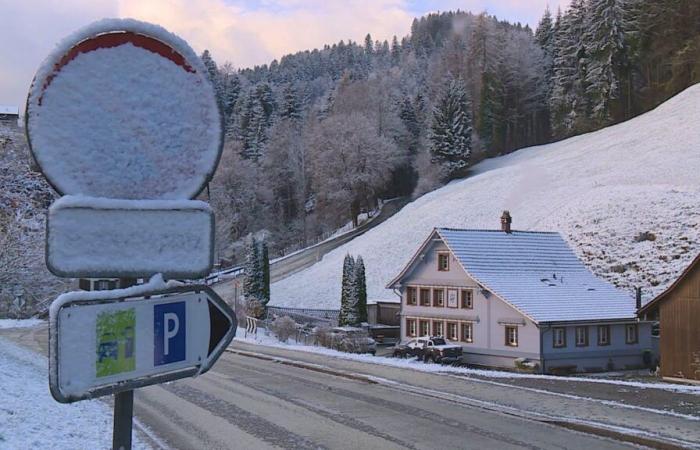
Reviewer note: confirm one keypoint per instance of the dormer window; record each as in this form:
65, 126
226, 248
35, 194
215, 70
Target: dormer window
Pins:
443, 262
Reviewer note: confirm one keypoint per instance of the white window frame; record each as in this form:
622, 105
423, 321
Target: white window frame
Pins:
559, 337
511, 340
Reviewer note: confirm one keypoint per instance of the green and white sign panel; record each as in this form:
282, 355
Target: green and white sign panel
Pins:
133, 337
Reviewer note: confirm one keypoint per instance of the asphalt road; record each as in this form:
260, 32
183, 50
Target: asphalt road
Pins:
264, 397
250, 403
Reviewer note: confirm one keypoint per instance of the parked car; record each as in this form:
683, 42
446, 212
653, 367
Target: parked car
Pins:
427, 348
353, 340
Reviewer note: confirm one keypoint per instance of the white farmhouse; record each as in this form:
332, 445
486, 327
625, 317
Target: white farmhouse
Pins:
507, 295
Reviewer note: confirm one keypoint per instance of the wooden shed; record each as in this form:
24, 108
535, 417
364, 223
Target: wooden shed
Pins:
678, 312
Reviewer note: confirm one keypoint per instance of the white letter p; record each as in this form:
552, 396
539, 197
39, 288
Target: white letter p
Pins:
167, 318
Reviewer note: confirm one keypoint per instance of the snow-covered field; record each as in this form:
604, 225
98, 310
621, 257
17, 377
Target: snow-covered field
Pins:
600, 190
31, 419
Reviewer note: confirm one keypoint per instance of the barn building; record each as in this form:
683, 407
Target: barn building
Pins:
678, 311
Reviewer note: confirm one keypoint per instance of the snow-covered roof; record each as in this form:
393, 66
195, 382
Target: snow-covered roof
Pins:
538, 274
9, 110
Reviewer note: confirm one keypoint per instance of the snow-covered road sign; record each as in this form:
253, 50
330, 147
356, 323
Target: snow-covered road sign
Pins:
104, 342
94, 238
124, 109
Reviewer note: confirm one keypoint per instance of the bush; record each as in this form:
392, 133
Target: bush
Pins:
283, 327
254, 308
324, 336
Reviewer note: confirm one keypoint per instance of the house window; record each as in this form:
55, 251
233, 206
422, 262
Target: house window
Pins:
581, 336
559, 337
452, 301
511, 336
411, 296
631, 333
438, 297
452, 331
424, 327
604, 335
467, 332
438, 328
467, 299
443, 262
425, 297
411, 328
103, 285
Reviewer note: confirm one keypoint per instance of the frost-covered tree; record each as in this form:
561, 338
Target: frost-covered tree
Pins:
291, 107
451, 129
360, 287
348, 294
569, 103
265, 269
605, 43
253, 288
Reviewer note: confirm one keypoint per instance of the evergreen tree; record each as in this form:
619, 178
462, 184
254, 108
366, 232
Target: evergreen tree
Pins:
569, 104
252, 272
231, 92
291, 109
265, 273
395, 51
348, 297
369, 46
213, 75
451, 130
545, 38
605, 41
360, 285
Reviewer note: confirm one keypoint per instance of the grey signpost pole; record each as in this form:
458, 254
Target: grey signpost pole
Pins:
123, 415
123, 406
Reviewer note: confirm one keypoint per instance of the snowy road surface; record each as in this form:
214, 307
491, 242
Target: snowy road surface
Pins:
263, 397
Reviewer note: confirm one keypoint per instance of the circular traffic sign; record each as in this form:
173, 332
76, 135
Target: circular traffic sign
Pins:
124, 109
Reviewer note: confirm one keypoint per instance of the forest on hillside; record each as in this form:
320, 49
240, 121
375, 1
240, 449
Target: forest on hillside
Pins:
318, 137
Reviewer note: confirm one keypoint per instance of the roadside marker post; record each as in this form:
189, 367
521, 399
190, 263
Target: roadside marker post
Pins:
122, 120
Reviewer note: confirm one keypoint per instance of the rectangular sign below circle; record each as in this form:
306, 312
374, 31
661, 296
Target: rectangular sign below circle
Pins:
103, 342
93, 238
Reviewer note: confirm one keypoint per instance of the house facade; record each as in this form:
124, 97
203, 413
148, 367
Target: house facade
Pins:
678, 311
506, 295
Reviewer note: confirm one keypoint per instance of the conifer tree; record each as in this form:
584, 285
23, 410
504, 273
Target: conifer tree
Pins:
265, 273
252, 271
291, 109
451, 130
348, 297
360, 286
605, 41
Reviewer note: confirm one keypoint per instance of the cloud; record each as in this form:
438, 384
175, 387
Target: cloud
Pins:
250, 33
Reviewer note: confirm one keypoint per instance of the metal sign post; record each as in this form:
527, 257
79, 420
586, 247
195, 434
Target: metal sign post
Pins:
123, 122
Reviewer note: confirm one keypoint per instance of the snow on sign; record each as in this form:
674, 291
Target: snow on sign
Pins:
104, 342
93, 237
124, 109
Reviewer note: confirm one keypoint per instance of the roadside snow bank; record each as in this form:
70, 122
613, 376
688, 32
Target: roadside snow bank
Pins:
30, 418
19, 323
414, 364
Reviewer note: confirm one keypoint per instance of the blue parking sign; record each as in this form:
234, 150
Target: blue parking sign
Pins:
169, 333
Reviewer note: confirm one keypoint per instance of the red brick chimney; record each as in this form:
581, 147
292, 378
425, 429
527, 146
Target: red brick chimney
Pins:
505, 222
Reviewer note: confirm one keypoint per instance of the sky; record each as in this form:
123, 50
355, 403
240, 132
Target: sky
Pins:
242, 32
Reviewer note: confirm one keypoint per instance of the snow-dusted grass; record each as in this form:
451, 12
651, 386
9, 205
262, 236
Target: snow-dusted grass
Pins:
31, 419
599, 190
19, 323
414, 364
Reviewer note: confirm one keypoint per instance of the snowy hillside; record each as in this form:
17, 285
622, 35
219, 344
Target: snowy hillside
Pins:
600, 190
